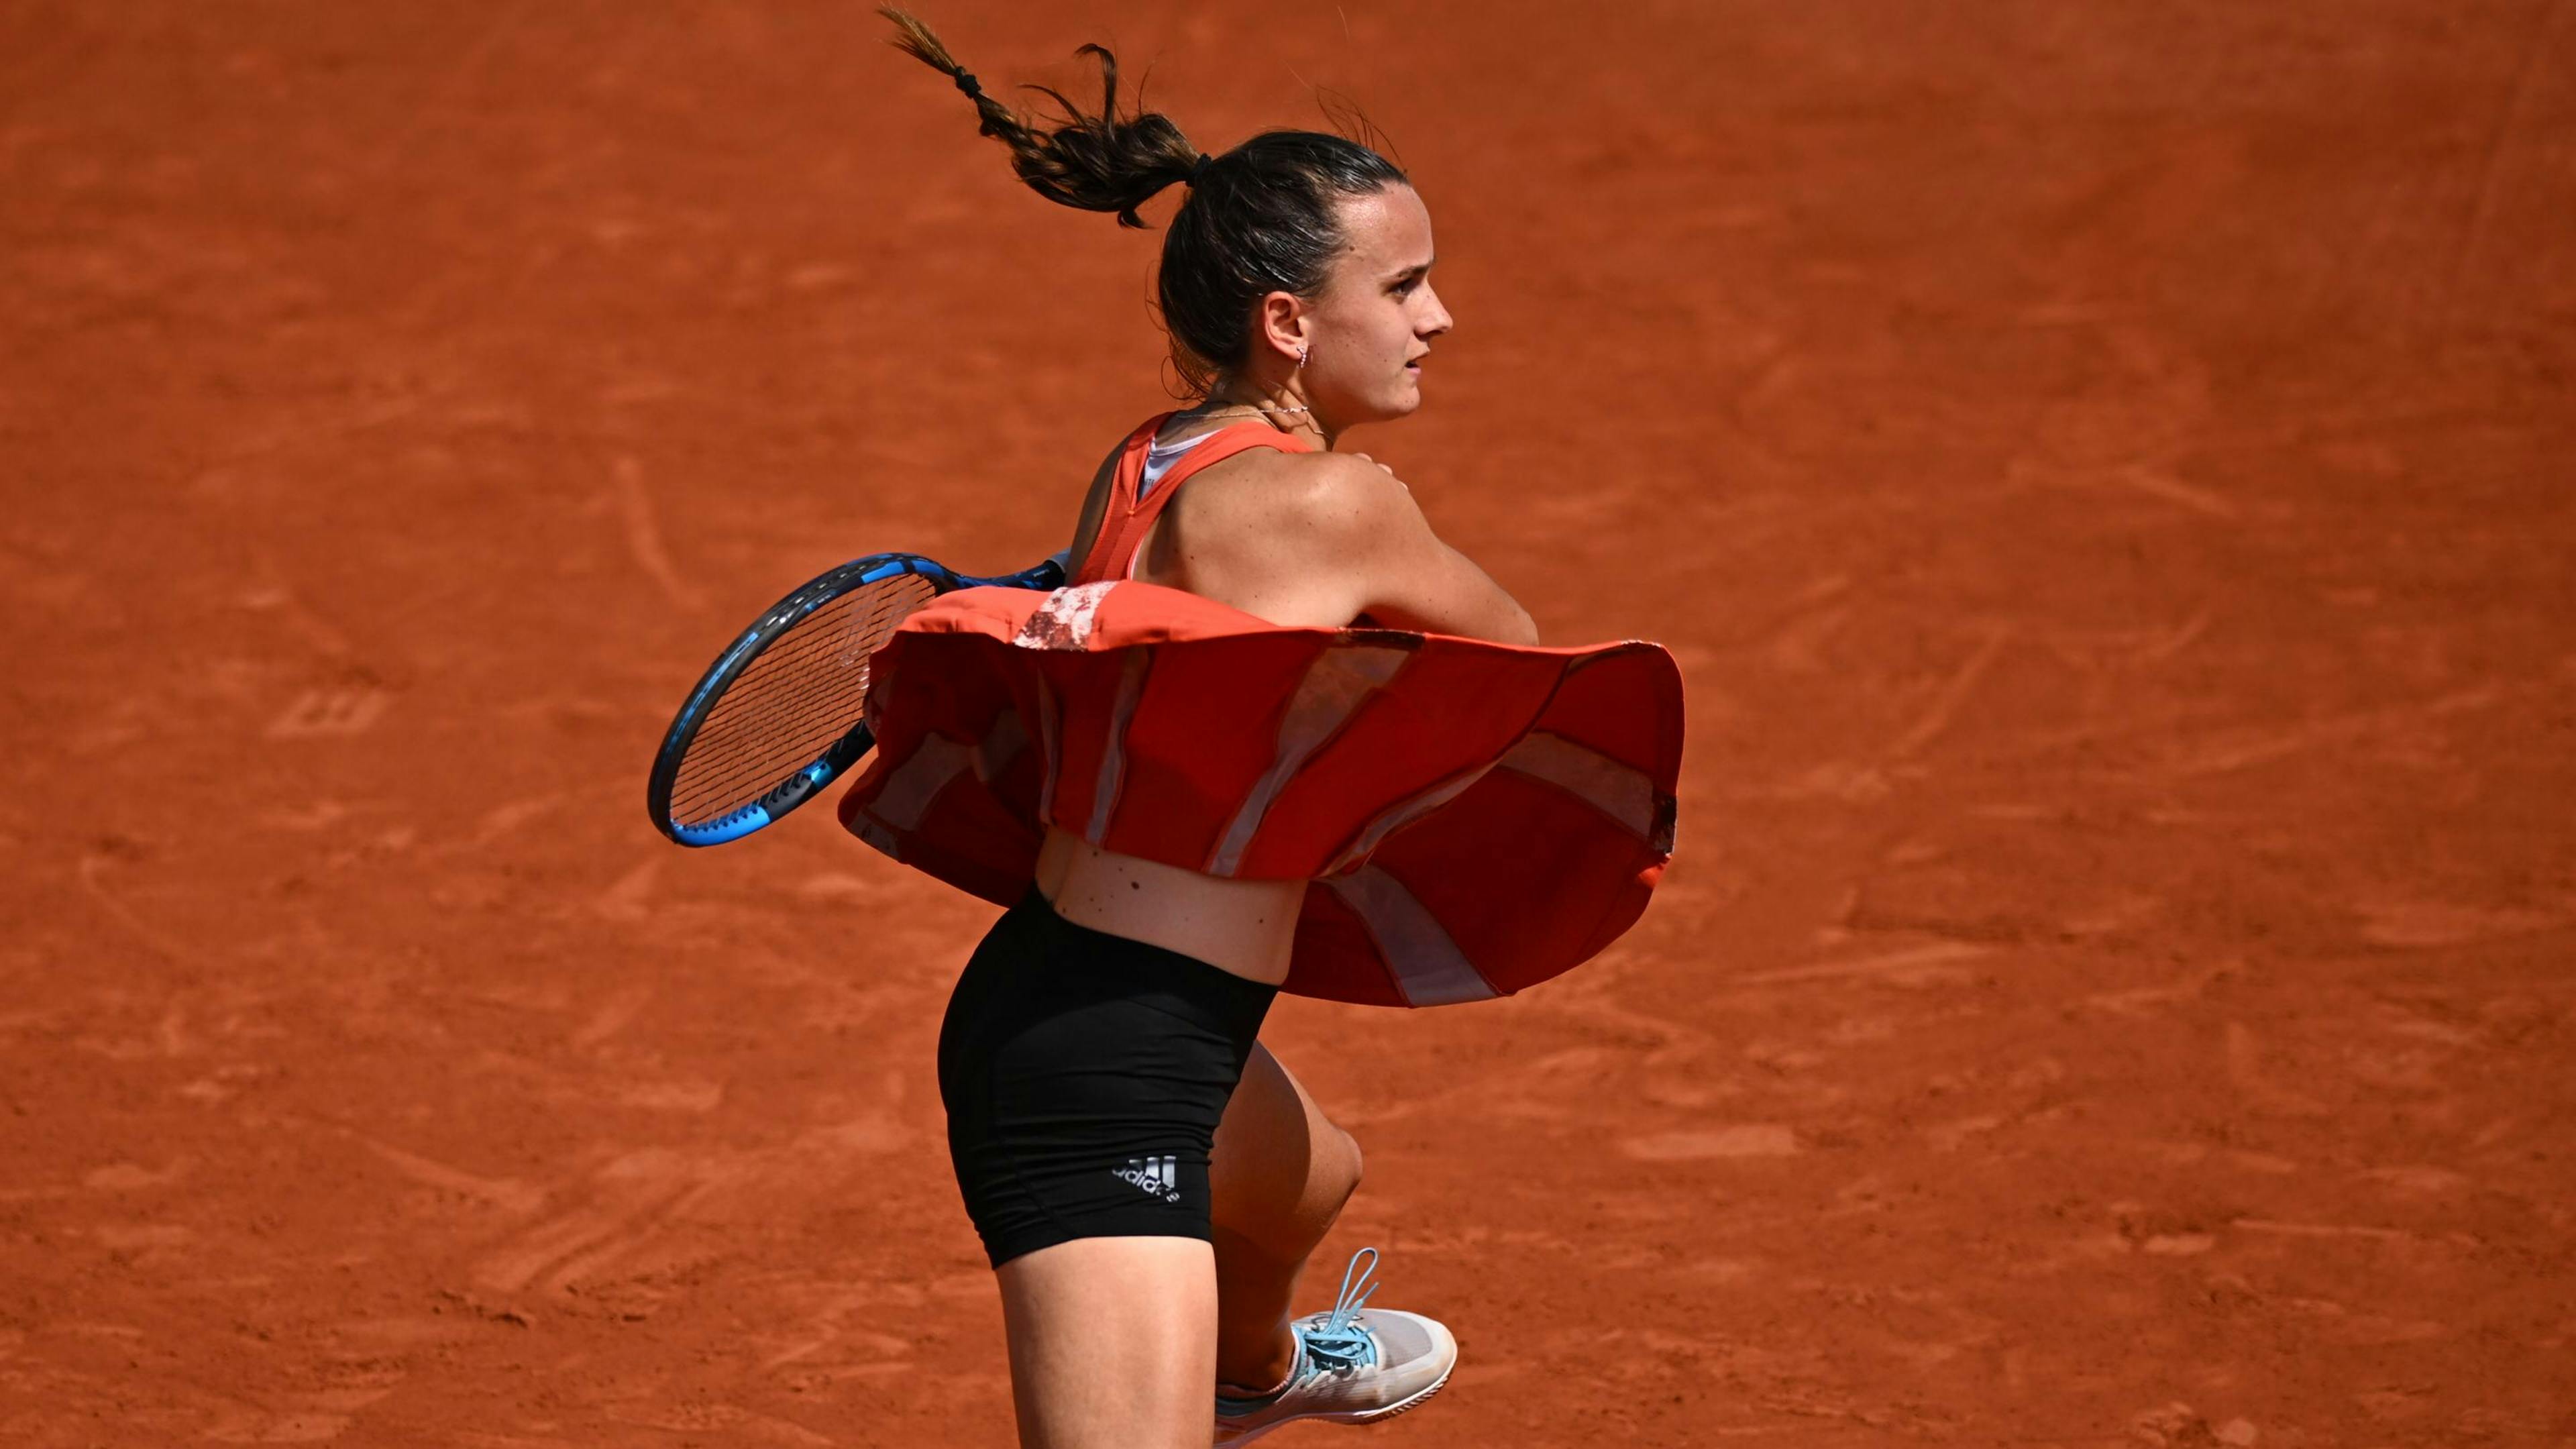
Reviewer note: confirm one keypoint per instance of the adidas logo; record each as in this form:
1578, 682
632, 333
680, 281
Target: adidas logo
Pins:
1160, 1176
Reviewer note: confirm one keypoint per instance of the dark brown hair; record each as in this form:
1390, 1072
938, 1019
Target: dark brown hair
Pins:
1258, 219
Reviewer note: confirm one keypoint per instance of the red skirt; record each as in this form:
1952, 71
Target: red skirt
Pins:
1474, 817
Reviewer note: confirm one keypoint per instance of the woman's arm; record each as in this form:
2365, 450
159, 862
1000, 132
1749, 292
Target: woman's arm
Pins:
1399, 573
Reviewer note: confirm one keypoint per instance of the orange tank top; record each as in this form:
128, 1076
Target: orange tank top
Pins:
1124, 523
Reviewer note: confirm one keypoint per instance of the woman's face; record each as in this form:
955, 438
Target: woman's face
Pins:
1372, 324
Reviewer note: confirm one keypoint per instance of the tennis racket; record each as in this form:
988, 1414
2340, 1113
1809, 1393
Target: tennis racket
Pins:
777, 716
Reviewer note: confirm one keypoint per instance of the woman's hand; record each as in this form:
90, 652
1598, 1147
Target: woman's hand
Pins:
1381, 467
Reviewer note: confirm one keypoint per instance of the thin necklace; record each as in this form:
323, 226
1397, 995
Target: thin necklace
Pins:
1258, 408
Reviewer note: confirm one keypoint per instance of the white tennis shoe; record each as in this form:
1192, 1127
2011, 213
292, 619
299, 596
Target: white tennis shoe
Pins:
1353, 1366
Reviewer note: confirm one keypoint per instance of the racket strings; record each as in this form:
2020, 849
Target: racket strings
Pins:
794, 700
777, 720
800, 681
818, 667
758, 771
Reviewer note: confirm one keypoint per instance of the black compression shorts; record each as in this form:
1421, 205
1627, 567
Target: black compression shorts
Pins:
1084, 1074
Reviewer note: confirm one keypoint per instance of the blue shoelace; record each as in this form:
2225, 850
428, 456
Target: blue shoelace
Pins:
1337, 1341
1330, 1342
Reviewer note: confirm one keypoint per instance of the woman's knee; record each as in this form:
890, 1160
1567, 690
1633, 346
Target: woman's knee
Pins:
1306, 1205
1346, 1164
1332, 1175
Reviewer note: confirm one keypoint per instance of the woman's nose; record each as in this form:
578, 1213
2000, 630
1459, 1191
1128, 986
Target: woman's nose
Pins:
1438, 321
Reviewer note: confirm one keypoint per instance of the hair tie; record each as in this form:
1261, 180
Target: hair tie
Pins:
966, 82
1199, 168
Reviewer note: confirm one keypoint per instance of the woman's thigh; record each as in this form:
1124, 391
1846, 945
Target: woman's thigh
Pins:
1278, 1159
1113, 1343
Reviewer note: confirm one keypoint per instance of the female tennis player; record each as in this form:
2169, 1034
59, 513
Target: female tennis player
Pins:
1147, 1179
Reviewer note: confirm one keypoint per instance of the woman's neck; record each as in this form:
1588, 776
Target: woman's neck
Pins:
1281, 406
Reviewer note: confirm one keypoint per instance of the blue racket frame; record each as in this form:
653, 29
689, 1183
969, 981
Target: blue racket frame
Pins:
837, 758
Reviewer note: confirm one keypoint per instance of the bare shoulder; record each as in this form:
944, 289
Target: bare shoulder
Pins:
1319, 496
1323, 539
1271, 533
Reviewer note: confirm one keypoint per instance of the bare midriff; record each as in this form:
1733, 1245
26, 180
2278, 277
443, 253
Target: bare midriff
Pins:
1246, 927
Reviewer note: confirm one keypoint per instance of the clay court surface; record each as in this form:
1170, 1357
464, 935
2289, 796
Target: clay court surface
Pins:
2104, 471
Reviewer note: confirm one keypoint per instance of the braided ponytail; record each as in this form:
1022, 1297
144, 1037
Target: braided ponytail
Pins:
1102, 162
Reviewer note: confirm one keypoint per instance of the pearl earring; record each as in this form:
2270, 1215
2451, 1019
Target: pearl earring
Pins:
1301, 355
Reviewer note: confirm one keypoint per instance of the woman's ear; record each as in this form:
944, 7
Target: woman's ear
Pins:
1284, 328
